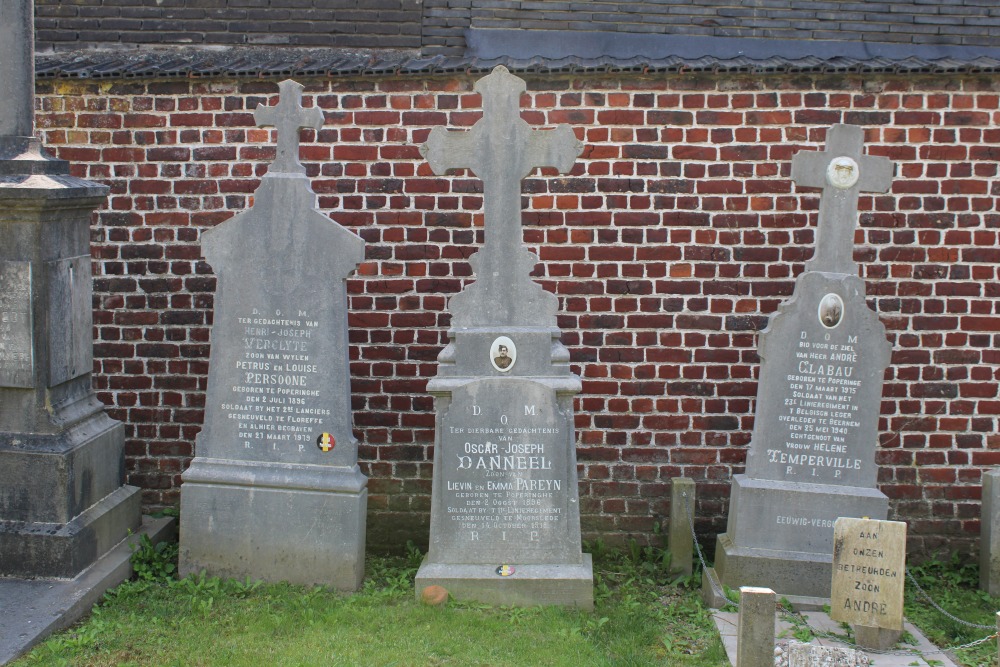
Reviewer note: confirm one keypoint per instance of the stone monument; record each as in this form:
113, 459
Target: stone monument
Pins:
63, 503
823, 355
275, 492
505, 516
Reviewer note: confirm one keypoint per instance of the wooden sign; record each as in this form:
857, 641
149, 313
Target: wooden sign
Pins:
869, 570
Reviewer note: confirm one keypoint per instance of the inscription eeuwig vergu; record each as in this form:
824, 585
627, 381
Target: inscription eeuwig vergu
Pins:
275, 492
824, 353
505, 521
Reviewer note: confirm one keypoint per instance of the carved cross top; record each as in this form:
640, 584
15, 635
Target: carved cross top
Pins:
501, 149
288, 116
843, 171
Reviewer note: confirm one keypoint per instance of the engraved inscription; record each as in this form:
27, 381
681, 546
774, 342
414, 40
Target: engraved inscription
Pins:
277, 377
820, 415
16, 351
503, 485
869, 562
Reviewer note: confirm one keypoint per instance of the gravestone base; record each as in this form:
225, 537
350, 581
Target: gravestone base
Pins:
767, 517
530, 585
63, 505
304, 524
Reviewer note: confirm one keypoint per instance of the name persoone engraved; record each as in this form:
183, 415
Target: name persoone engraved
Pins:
276, 378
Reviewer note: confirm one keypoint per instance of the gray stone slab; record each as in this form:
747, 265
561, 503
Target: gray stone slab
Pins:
276, 460
989, 534
823, 357
33, 609
505, 518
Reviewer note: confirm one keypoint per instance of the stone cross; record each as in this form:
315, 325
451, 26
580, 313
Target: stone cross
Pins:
501, 149
288, 116
843, 171
17, 68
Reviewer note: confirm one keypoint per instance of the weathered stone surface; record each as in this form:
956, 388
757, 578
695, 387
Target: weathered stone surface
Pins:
505, 518
869, 572
275, 492
989, 534
824, 353
799, 654
680, 541
62, 500
755, 628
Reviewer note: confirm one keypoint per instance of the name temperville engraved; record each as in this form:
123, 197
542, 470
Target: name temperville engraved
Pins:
820, 410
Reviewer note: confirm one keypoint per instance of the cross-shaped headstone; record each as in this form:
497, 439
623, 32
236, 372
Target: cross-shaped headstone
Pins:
288, 116
501, 149
17, 68
843, 171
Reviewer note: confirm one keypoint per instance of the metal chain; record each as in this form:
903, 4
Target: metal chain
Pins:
826, 635
934, 604
701, 557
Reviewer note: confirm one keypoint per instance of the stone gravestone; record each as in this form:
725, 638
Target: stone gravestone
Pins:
869, 570
989, 534
275, 492
505, 519
63, 503
812, 453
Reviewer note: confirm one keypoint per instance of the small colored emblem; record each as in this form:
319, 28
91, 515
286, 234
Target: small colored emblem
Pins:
326, 442
505, 570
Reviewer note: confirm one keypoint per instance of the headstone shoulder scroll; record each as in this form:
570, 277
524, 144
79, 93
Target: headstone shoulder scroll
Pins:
275, 491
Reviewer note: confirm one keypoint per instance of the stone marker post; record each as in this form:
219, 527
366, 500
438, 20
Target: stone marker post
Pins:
989, 534
505, 517
755, 628
680, 541
63, 503
275, 492
824, 353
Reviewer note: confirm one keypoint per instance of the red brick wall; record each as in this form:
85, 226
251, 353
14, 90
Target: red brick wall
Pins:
675, 236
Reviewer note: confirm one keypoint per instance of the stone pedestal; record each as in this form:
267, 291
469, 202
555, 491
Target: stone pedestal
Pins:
62, 499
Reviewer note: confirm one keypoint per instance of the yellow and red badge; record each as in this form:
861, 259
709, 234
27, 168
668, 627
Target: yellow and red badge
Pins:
326, 442
505, 570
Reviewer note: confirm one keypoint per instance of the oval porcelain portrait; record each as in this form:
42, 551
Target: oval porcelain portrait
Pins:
503, 354
831, 310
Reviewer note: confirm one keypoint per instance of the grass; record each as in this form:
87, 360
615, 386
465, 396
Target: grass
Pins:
954, 585
642, 617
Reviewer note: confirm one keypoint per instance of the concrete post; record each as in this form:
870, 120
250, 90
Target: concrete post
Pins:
755, 628
680, 541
